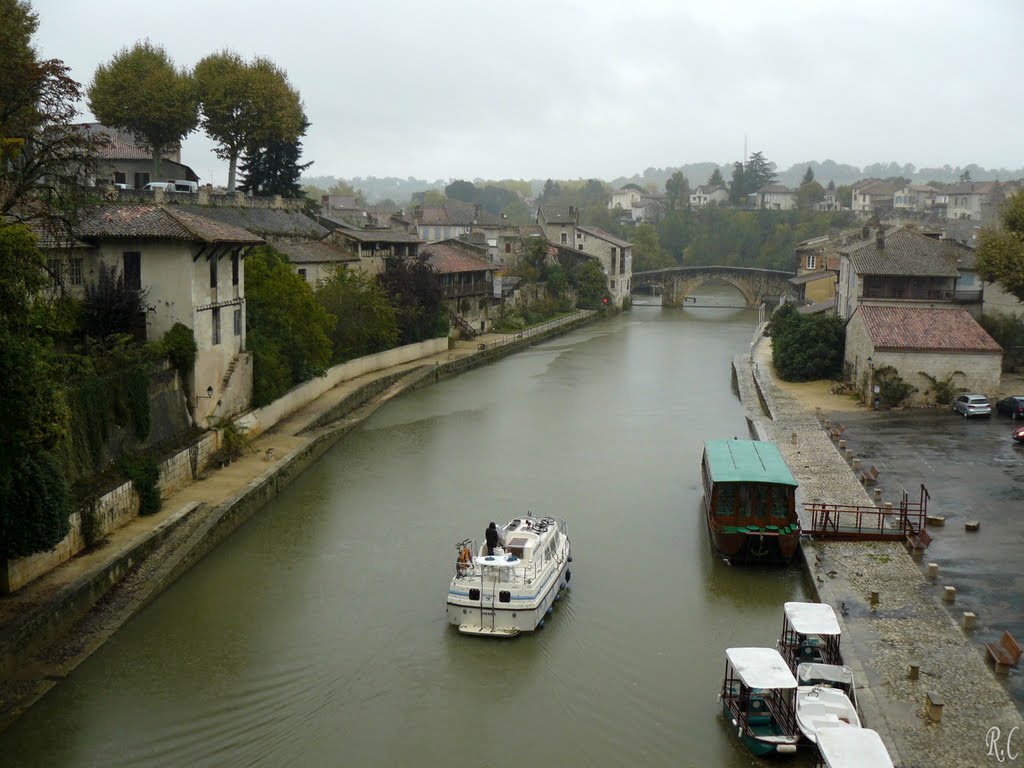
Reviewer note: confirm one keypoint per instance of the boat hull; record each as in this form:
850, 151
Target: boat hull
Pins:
761, 744
754, 546
526, 613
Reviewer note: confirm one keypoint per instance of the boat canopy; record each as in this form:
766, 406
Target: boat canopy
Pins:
812, 618
762, 668
746, 461
808, 674
853, 748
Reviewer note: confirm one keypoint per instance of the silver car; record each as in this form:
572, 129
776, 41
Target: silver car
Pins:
972, 405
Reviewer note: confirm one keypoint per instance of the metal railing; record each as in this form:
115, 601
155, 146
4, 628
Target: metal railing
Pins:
538, 330
851, 521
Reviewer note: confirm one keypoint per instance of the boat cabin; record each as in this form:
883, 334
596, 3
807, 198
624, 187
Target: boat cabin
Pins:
810, 634
750, 500
852, 748
759, 697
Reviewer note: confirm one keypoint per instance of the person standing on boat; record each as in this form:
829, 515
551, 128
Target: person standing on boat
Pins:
493, 538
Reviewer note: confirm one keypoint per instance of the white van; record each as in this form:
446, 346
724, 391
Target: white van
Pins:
181, 185
166, 186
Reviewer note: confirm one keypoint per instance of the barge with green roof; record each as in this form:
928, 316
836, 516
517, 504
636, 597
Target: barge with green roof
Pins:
750, 501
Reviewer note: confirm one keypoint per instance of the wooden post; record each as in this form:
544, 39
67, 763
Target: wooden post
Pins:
934, 704
915, 670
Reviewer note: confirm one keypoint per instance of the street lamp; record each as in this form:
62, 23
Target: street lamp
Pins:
871, 383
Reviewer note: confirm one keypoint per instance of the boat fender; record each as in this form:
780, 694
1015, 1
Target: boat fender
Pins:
570, 558
786, 749
540, 625
568, 575
550, 609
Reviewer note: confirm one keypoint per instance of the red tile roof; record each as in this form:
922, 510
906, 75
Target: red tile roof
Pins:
922, 329
447, 258
157, 221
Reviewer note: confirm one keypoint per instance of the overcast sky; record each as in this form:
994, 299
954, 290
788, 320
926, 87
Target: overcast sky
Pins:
596, 88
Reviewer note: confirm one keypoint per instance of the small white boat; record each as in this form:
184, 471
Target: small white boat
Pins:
810, 633
819, 708
853, 748
514, 589
758, 699
830, 675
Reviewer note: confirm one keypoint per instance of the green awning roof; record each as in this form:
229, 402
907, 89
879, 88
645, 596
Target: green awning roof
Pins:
746, 461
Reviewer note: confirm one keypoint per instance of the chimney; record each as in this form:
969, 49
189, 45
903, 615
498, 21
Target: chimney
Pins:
880, 239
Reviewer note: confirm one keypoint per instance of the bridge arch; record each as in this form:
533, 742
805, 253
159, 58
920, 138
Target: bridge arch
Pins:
677, 283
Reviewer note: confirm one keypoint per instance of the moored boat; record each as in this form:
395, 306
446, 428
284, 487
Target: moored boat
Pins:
810, 633
758, 698
852, 748
749, 501
512, 589
820, 707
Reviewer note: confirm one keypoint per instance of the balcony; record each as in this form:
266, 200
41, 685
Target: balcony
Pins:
475, 288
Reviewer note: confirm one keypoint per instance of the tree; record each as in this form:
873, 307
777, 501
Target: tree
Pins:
716, 179
647, 253
45, 160
591, 284
678, 190
809, 194
806, 347
364, 318
844, 194
758, 172
287, 329
273, 168
739, 185
966, 175
34, 498
245, 105
142, 92
465, 191
415, 292
831, 186
110, 306
808, 176
1000, 253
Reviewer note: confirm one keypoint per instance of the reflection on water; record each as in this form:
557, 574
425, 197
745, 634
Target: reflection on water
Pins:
317, 635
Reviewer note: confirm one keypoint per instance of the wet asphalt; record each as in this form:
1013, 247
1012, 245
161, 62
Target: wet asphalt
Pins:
973, 471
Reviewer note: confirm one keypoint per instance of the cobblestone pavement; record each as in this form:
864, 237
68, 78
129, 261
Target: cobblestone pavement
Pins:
908, 625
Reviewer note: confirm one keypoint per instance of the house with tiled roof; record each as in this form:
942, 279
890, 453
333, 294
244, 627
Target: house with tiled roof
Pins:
123, 160
466, 277
923, 345
919, 198
316, 260
872, 195
900, 266
559, 223
706, 195
773, 197
373, 247
975, 200
275, 225
458, 219
615, 256
193, 269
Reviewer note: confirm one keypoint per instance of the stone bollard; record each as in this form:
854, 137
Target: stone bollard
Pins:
874, 598
878, 495
967, 622
934, 704
949, 594
915, 670
856, 464
792, 438
972, 525
842, 445
849, 454
933, 570
936, 521
828, 424
887, 507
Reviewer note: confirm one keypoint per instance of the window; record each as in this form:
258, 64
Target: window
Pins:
508, 247
565, 238
622, 263
302, 273
234, 268
812, 261
141, 180
76, 271
238, 322
119, 177
132, 270
613, 251
216, 326
213, 271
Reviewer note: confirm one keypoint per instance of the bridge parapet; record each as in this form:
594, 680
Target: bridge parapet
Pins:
756, 285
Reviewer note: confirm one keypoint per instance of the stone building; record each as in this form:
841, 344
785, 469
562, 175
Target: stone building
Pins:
945, 344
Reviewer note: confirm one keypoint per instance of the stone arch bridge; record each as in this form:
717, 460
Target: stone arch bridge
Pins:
677, 283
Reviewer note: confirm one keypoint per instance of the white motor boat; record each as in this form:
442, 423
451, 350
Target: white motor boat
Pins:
819, 708
514, 589
853, 748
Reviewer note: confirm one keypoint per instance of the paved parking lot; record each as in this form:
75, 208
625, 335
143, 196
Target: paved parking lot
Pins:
973, 471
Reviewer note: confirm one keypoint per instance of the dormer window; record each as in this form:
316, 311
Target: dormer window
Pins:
812, 261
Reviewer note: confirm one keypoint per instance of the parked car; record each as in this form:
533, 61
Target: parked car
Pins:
1012, 405
181, 185
972, 405
1018, 434
166, 186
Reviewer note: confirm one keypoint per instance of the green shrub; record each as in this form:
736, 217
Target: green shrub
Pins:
144, 474
1008, 331
943, 390
179, 344
892, 389
806, 347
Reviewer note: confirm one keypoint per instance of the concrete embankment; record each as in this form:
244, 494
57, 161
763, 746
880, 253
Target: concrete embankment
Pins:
908, 625
50, 626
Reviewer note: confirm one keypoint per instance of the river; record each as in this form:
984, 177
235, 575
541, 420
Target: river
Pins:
316, 634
